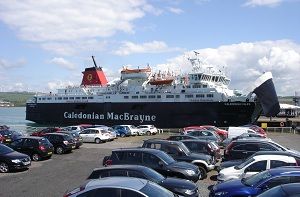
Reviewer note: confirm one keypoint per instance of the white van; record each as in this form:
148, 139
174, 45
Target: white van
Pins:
236, 131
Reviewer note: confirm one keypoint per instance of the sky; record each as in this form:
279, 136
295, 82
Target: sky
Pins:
46, 44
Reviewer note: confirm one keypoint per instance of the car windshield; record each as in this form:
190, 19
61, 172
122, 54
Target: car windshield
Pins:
245, 163
154, 176
279, 146
165, 157
184, 149
255, 179
4, 149
152, 189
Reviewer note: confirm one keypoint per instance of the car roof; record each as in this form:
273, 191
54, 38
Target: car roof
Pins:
286, 158
288, 153
291, 188
149, 150
253, 139
196, 140
124, 182
285, 170
58, 133
163, 141
33, 137
126, 167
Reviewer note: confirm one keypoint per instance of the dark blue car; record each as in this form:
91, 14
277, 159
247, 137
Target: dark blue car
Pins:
256, 184
121, 130
286, 190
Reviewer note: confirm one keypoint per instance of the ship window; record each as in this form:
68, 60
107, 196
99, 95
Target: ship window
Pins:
77, 98
217, 79
71, 98
170, 96
199, 95
40, 99
204, 86
49, 98
65, 98
151, 96
209, 95
59, 98
188, 86
90, 97
213, 78
196, 86
84, 97
189, 96
134, 97
143, 97
158, 96
126, 97
107, 97
177, 96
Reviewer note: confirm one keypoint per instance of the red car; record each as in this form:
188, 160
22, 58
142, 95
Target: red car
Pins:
2, 138
257, 129
45, 131
222, 133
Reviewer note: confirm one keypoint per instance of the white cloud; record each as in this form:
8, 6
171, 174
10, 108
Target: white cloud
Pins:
9, 64
269, 3
63, 63
244, 62
54, 85
129, 48
175, 10
63, 23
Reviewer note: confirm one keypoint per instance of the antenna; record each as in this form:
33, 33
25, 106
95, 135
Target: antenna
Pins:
94, 62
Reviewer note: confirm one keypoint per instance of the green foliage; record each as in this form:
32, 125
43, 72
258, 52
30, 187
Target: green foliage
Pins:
17, 98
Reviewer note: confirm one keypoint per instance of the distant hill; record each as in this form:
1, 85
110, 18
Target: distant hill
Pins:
17, 98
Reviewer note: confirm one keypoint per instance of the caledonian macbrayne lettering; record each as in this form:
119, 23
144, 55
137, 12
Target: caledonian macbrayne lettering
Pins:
110, 116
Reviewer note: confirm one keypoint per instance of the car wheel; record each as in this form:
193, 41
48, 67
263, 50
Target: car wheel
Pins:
59, 150
122, 134
4, 167
203, 173
35, 157
148, 133
97, 141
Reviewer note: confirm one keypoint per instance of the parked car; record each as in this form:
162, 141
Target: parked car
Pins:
9, 135
284, 190
236, 162
203, 146
256, 184
61, 142
185, 130
96, 135
75, 134
35, 147
2, 138
205, 134
236, 131
121, 131
180, 152
181, 137
120, 187
77, 128
255, 165
44, 131
112, 133
155, 159
130, 129
221, 132
256, 128
12, 160
179, 186
148, 129
243, 148
227, 141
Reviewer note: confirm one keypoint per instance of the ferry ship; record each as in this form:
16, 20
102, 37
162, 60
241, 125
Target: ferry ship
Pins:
165, 100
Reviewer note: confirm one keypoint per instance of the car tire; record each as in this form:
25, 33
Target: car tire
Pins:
148, 133
59, 150
35, 157
4, 167
203, 173
122, 135
97, 141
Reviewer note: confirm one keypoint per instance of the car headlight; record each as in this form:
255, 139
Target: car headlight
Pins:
190, 172
189, 192
16, 160
221, 193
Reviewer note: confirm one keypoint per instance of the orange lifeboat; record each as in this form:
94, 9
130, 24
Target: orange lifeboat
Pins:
161, 81
139, 70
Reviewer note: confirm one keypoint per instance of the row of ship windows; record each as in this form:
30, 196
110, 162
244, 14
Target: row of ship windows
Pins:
133, 97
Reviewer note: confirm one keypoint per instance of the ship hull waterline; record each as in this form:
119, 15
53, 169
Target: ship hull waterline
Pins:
160, 114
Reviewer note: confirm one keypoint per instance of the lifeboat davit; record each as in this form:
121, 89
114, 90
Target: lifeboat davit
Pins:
139, 73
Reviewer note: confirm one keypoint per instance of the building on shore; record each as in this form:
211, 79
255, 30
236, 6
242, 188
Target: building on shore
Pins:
6, 104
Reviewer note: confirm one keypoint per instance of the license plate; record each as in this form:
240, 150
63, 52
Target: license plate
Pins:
8, 140
50, 153
26, 163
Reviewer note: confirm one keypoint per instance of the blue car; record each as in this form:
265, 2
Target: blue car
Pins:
121, 130
286, 190
256, 184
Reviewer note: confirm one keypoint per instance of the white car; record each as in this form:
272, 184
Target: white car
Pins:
133, 130
149, 129
96, 135
73, 128
254, 165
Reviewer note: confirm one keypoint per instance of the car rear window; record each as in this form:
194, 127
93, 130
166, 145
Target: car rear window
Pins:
44, 141
67, 137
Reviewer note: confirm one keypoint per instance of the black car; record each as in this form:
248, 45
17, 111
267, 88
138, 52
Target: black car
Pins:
62, 142
155, 159
203, 146
36, 147
243, 148
205, 134
76, 136
12, 160
180, 152
179, 186
181, 137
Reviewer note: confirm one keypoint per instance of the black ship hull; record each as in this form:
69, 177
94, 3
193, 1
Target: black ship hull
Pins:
160, 114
